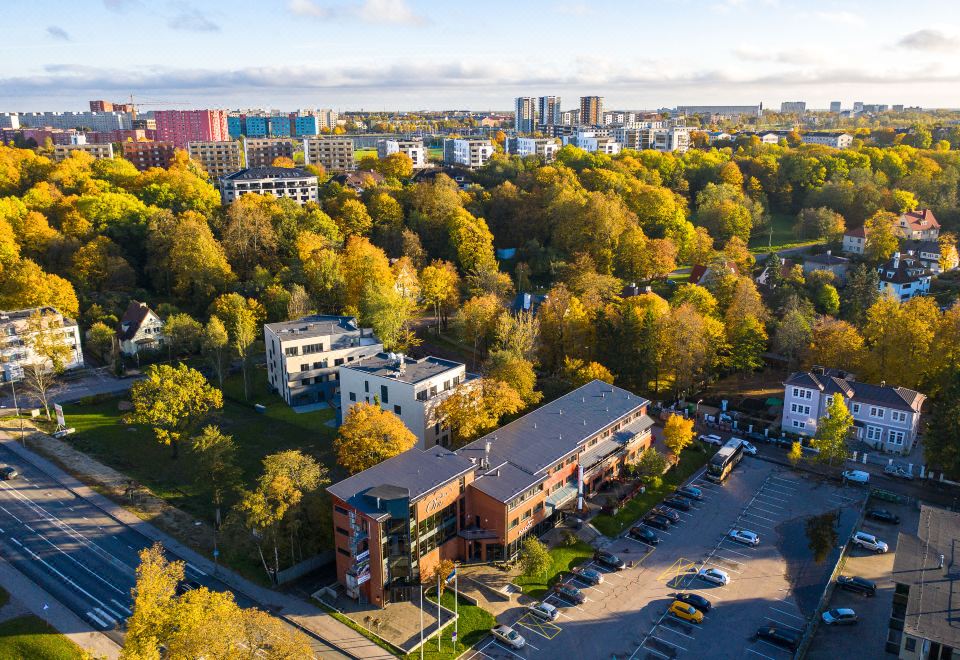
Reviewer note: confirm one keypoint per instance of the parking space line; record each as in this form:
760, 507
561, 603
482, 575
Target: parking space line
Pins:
771, 497
785, 625
501, 646
773, 646
760, 654
673, 630
778, 492
772, 506
674, 644
739, 545
760, 508
788, 614
754, 523
647, 648
793, 483
735, 561
656, 529
747, 513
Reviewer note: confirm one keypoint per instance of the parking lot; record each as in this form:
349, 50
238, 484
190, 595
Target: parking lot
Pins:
802, 522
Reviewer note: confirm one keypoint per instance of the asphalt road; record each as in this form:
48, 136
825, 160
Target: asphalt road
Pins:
83, 557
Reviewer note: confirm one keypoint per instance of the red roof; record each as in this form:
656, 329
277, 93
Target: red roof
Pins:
859, 232
696, 273
920, 219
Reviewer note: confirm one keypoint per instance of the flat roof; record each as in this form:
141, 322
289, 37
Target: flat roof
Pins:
258, 173
318, 325
383, 365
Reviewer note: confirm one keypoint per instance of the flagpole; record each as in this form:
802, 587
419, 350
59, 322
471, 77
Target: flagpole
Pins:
438, 612
456, 598
421, 621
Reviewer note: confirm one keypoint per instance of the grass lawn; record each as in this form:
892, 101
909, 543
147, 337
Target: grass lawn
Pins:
564, 558
691, 460
30, 638
783, 235
435, 153
363, 153
474, 624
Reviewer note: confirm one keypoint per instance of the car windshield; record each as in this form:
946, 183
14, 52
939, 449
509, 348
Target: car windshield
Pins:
512, 634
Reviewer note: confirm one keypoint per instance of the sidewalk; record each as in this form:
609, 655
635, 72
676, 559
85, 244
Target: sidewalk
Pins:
296, 611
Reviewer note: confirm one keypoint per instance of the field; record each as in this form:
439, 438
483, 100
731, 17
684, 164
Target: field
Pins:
30, 638
783, 235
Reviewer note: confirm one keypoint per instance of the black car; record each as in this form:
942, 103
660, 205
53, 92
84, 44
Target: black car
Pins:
884, 516
8, 472
677, 502
644, 534
669, 514
857, 585
187, 585
691, 492
609, 560
657, 521
569, 593
696, 601
780, 636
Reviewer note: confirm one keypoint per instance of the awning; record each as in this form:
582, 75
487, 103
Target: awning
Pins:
557, 499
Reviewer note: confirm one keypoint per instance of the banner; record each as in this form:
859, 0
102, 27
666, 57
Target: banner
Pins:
59, 410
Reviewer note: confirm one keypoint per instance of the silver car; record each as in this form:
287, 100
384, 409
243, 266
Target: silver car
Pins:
508, 636
544, 611
744, 536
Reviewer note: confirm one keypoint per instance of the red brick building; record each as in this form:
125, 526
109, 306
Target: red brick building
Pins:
183, 126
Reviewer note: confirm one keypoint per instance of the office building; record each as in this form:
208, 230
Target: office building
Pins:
470, 153
15, 340
548, 111
61, 151
218, 158
305, 356
525, 114
413, 148
793, 107
334, 154
261, 152
291, 182
835, 107
183, 126
145, 155
591, 110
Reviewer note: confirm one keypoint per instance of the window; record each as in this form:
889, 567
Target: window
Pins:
799, 425
910, 645
341, 530
353, 396
345, 553
829, 401
305, 367
898, 416
874, 433
895, 437
800, 393
856, 409
384, 394
876, 412
318, 365
291, 350
312, 348
341, 510
797, 408
366, 386
514, 523
527, 514
396, 410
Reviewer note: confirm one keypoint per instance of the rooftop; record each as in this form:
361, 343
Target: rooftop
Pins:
920, 219
22, 314
832, 381
317, 325
388, 365
827, 259
258, 173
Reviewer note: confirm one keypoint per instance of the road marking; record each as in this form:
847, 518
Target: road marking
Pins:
93, 617
785, 625
647, 648
771, 497
11, 515
734, 561
774, 646
739, 545
17, 542
760, 654
499, 645
674, 617
760, 508
754, 523
793, 483
129, 613
78, 563
195, 569
111, 622
674, 644
788, 614
30, 528
747, 513
777, 492
772, 506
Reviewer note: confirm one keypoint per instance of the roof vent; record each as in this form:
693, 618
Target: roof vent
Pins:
883, 383
561, 411
941, 562
497, 473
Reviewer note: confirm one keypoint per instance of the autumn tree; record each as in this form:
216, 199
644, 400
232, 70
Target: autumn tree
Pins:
100, 338
677, 433
747, 339
182, 334
299, 303
579, 372
214, 343
47, 354
476, 321
882, 240
941, 445
475, 407
217, 473
396, 166
440, 572
249, 236
518, 334
534, 558
517, 372
792, 337
369, 436
153, 596
390, 313
241, 318
833, 431
439, 286
795, 453
565, 328
835, 343
820, 223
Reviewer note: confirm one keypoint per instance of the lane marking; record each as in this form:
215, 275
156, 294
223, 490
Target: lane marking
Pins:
129, 613
111, 622
93, 617
5, 510
788, 614
762, 655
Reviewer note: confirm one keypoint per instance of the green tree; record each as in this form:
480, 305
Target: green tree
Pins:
534, 558
214, 343
941, 446
651, 463
369, 436
748, 341
182, 334
833, 431
100, 340
217, 473
389, 313
241, 318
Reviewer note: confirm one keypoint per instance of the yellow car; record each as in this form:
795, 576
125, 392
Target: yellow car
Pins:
686, 612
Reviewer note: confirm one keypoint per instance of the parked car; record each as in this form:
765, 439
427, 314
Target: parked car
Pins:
857, 476
544, 611
884, 516
658, 521
857, 584
869, 542
714, 575
842, 616
8, 472
187, 585
898, 471
686, 612
780, 636
669, 514
691, 492
748, 448
696, 600
677, 502
569, 593
644, 534
712, 439
609, 560
508, 636
744, 536
588, 575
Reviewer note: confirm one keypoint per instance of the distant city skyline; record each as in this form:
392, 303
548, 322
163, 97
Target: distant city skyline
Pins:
379, 55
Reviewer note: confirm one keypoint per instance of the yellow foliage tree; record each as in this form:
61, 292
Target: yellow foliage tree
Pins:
677, 433
370, 435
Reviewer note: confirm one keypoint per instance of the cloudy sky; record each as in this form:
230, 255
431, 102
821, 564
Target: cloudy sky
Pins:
437, 54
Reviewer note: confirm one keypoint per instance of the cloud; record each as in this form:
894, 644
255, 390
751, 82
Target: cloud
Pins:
930, 40
118, 5
58, 33
839, 17
368, 11
192, 20
792, 56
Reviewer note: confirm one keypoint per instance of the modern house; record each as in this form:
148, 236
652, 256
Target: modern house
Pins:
395, 521
827, 261
885, 417
903, 277
15, 351
291, 182
413, 148
304, 356
410, 388
470, 153
140, 329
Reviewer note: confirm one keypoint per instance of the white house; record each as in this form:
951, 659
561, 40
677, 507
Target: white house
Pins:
935, 257
15, 351
411, 389
292, 182
835, 140
903, 277
854, 240
918, 225
544, 148
885, 417
140, 329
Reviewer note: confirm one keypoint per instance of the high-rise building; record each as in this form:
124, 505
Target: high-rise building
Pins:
218, 158
835, 106
107, 106
261, 152
525, 117
548, 110
591, 110
145, 155
94, 121
858, 106
183, 126
334, 154
280, 126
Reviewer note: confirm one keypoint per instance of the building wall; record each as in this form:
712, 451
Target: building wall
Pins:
261, 152
299, 189
145, 155
854, 244
62, 151
15, 352
334, 154
183, 126
217, 158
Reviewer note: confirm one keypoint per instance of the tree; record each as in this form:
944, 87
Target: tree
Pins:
283, 161
534, 558
861, 292
820, 223
249, 236
477, 319
369, 436
216, 471
882, 239
100, 340
651, 463
677, 433
389, 313
395, 166
518, 334
363, 267
183, 334
579, 372
474, 408
516, 372
47, 354
439, 285
299, 304
835, 343
748, 341
832, 432
793, 335
214, 343
565, 328
941, 446
174, 401
795, 453
353, 219
241, 318
153, 595
440, 572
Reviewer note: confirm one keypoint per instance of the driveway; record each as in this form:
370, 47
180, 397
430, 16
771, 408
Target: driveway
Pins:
89, 383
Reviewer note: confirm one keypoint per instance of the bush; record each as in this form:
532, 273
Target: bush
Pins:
568, 538
656, 482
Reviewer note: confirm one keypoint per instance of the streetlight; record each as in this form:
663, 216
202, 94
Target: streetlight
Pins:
696, 414
16, 410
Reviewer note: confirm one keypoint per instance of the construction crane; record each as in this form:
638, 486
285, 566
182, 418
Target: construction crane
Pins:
151, 102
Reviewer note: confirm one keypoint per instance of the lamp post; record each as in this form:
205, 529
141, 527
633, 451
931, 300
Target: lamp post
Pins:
696, 414
16, 411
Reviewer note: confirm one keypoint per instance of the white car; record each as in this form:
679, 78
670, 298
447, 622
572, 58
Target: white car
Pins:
714, 575
748, 448
544, 611
508, 636
857, 476
869, 542
744, 536
712, 439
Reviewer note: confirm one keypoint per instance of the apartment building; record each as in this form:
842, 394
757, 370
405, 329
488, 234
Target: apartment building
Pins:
525, 114
395, 521
593, 142
903, 276
15, 333
544, 148
591, 110
292, 182
62, 151
793, 107
413, 148
885, 417
548, 110
470, 153
261, 152
183, 126
305, 356
835, 107
107, 106
835, 140
731, 111
94, 121
410, 388
218, 158
334, 154
145, 155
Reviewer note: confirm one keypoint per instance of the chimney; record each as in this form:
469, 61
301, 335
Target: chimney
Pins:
940, 565
883, 383
896, 260
486, 454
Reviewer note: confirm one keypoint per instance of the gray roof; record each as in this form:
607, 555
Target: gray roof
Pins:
314, 326
255, 173
504, 482
916, 246
933, 605
414, 371
826, 259
888, 396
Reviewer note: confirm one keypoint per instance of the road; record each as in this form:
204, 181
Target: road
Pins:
73, 387
78, 553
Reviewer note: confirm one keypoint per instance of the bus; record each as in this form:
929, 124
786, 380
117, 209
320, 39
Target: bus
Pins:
724, 460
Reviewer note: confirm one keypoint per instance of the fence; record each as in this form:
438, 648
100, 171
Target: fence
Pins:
304, 567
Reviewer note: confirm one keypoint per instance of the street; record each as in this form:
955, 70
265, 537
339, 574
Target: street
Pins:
72, 387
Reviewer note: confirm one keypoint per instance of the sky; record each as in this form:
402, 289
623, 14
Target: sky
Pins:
442, 54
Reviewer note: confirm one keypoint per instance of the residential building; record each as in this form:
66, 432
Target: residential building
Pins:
334, 154
279, 126
935, 257
548, 110
327, 118
360, 180
94, 121
918, 225
827, 261
107, 106
292, 182
903, 277
718, 136
835, 107
411, 389
525, 114
701, 274
306, 125
305, 356
261, 152
570, 117
61, 151
544, 148
256, 126
183, 126
140, 329
594, 142
527, 302
885, 417
858, 106
218, 158
793, 107
470, 153
15, 334
926, 594
731, 111
394, 522
121, 135
591, 110
9, 120
835, 140
855, 240
145, 155
413, 148
235, 126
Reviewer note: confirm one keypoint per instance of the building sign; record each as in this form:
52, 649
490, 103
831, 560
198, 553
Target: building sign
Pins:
435, 504
363, 556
